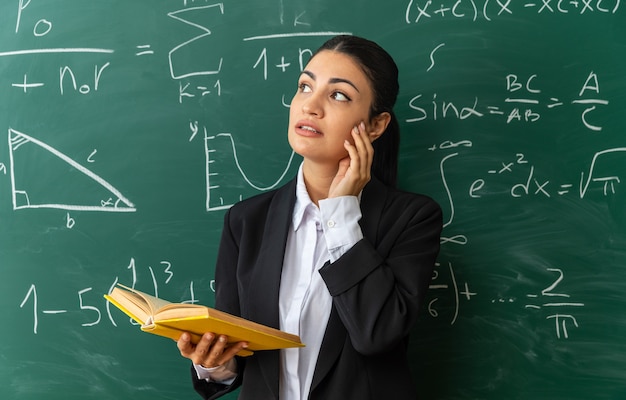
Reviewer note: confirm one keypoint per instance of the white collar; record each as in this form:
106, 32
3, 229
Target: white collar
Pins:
303, 201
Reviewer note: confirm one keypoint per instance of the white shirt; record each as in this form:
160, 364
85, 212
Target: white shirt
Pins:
316, 235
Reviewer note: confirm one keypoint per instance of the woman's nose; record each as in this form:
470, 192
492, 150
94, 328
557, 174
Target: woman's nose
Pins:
312, 106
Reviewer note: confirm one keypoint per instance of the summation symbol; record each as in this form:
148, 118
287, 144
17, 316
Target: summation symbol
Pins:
175, 71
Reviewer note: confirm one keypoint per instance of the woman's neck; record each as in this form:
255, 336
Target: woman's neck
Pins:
318, 180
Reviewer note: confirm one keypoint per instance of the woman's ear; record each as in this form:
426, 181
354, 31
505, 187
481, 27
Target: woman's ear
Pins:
378, 125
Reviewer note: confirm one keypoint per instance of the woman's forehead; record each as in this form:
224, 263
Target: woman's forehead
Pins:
334, 61
329, 64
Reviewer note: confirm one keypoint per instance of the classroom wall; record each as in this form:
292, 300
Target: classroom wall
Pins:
131, 126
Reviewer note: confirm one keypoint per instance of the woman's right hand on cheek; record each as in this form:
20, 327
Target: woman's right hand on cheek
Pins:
211, 351
355, 170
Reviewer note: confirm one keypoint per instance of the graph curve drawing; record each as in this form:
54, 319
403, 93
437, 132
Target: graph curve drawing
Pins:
226, 181
29, 156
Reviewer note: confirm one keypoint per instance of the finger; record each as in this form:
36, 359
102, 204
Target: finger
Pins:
362, 141
364, 155
218, 347
356, 150
369, 149
203, 349
362, 151
344, 163
214, 356
234, 349
184, 345
353, 152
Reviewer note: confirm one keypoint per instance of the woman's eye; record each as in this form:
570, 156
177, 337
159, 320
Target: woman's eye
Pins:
304, 88
340, 96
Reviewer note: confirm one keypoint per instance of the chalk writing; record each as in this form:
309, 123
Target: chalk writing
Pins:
459, 238
188, 91
90, 303
198, 67
41, 28
55, 51
282, 64
66, 74
144, 49
422, 11
560, 319
176, 70
516, 109
84, 89
220, 151
432, 54
25, 85
20, 143
458, 293
533, 185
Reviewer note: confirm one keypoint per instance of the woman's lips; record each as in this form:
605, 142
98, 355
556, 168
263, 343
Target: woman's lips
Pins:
307, 128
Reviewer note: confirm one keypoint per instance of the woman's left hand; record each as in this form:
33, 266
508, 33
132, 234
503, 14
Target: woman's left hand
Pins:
355, 170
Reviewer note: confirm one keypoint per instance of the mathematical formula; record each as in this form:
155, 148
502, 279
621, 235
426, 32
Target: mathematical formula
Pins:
422, 11
533, 185
561, 319
459, 293
90, 303
522, 104
524, 101
561, 308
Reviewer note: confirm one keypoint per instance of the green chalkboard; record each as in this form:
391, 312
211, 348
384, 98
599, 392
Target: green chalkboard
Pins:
128, 127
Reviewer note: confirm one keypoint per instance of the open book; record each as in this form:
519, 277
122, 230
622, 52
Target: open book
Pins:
163, 318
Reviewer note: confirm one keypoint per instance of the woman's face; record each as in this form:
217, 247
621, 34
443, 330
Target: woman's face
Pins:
333, 96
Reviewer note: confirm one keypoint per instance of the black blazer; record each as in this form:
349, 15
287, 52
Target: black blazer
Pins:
377, 288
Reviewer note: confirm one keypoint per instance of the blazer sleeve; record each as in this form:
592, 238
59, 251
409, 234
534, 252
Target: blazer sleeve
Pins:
379, 284
212, 390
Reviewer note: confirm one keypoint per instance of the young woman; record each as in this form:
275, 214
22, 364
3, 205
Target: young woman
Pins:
337, 256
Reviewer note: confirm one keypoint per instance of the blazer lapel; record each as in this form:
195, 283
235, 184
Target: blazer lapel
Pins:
264, 290
333, 342
265, 281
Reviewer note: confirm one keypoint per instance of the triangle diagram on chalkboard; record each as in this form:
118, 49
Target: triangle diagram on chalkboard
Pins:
43, 177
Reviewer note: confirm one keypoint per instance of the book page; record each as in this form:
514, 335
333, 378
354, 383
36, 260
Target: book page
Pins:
180, 311
153, 303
